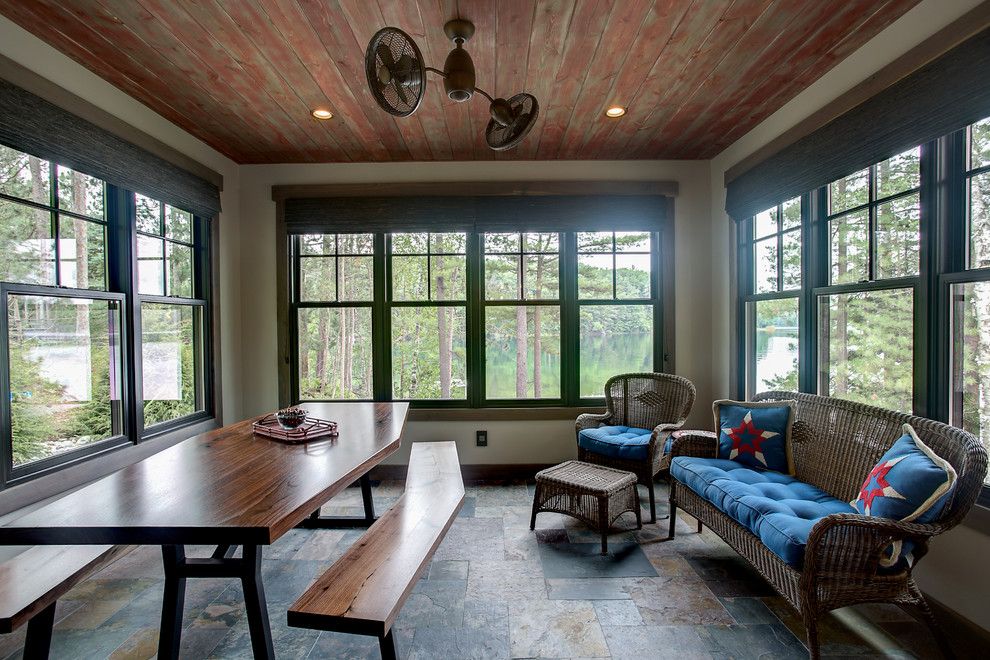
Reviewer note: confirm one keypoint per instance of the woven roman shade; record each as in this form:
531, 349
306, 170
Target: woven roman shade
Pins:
35, 126
943, 96
477, 213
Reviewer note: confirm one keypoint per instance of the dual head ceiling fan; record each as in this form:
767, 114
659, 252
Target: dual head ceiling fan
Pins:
397, 79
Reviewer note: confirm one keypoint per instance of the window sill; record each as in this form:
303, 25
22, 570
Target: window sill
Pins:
499, 414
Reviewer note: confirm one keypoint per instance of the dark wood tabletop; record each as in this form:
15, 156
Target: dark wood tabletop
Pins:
227, 486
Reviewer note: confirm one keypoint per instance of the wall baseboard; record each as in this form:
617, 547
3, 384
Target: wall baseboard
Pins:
472, 473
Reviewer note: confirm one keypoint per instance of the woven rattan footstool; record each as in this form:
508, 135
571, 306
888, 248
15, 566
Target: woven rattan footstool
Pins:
592, 493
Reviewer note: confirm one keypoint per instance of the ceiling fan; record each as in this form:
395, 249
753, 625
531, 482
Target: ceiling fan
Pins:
397, 79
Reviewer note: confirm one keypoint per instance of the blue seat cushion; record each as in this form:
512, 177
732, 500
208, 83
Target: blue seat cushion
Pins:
626, 442
775, 507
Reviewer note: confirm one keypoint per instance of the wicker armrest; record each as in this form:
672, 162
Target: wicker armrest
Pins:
699, 444
591, 420
855, 545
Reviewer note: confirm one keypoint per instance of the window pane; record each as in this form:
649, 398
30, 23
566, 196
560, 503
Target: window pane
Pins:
169, 377
851, 191
514, 337
542, 277
979, 146
632, 276
502, 277
776, 351
898, 240
178, 224
542, 242
868, 338
148, 212
595, 276
409, 243
317, 279
792, 214
850, 247
179, 262
502, 243
24, 176
356, 277
151, 266
335, 353
80, 193
792, 260
766, 265
971, 359
632, 241
409, 278
899, 173
765, 223
65, 373
448, 243
428, 353
26, 245
594, 241
82, 253
979, 221
356, 244
615, 339
317, 244
448, 278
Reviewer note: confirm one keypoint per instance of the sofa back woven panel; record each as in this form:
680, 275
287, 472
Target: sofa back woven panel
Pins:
836, 443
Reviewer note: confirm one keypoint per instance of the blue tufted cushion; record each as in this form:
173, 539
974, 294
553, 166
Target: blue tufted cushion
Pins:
624, 442
776, 507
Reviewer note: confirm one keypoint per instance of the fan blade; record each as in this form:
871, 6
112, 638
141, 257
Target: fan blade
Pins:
384, 53
400, 91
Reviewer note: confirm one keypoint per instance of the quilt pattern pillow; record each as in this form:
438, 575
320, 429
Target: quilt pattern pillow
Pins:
756, 434
909, 483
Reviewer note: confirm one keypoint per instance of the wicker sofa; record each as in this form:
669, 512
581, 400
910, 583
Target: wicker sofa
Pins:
835, 444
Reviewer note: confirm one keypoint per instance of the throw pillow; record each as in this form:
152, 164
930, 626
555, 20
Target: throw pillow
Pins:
756, 434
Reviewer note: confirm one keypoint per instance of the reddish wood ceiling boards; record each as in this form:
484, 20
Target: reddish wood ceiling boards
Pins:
243, 75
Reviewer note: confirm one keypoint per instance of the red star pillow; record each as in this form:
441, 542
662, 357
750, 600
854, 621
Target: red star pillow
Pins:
757, 434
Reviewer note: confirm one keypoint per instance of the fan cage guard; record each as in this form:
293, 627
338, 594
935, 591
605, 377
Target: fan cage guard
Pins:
399, 102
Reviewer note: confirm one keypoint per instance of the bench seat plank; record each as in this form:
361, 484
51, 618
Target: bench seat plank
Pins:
37, 577
364, 589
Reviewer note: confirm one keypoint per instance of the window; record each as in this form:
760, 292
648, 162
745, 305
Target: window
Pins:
772, 304
866, 317
65, 287
473, 319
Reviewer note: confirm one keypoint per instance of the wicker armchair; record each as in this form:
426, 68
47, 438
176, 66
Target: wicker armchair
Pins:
835, 444
647, 401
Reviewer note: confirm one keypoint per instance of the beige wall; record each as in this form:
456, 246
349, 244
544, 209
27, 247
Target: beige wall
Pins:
956, 571
508, 442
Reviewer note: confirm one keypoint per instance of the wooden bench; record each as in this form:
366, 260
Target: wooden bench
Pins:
32, 581
364, 589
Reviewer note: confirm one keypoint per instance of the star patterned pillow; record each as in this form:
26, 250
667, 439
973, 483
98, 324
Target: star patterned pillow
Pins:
756, 434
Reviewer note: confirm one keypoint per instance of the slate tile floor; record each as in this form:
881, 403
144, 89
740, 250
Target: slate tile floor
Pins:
494, 590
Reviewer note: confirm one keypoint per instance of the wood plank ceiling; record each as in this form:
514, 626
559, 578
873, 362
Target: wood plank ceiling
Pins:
243, 75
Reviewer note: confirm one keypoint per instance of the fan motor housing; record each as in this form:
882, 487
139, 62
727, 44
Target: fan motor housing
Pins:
459, 75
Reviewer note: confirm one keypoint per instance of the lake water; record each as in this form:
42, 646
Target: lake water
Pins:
776, 357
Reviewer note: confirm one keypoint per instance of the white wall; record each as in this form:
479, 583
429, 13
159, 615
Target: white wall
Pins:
508, 442
955, 571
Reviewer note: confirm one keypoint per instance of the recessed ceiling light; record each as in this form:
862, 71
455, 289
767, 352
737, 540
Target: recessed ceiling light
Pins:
322, 113
615, 111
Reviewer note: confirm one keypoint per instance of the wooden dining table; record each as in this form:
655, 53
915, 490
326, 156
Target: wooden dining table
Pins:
228, 488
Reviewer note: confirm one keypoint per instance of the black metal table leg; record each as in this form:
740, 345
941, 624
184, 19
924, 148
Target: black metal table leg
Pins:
254, 601
170, 634
316, 521
387, 646
39, 634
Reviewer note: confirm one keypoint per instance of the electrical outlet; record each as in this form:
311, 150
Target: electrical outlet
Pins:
482, 437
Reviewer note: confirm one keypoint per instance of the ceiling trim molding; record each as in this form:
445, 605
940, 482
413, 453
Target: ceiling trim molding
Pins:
966, 26
63, 98
476, 189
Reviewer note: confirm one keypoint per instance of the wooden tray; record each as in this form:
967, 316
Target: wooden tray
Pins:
310, 430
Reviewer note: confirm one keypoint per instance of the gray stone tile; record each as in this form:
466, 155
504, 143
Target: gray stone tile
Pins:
754, 641
434, 603
484, 634
670, 601
617, 613
448, 569
473, 539
587, 589
555, 629
288, 642
320, 545
285, 581
341, 646
653, 641
467, 509
583, 560
521, 544
551, 535
86, 644
730, 576
748, 610
506, 580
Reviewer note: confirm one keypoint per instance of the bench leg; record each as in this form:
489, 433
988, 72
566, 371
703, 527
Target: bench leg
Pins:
387, 646
536, 508
39, 634
673, 512
170, 634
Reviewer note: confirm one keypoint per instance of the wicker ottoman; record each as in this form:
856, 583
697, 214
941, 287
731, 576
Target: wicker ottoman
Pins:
593, 493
